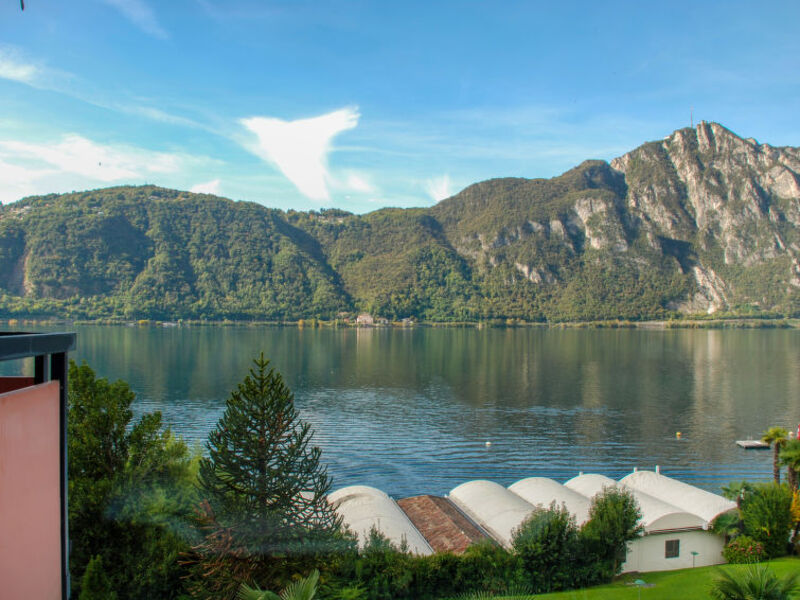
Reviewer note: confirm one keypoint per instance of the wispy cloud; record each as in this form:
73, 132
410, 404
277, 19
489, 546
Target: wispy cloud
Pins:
13, 66
73, 160
439, 188
140, 14
355, 182
81, 156
17, 66
300, 148
209, 187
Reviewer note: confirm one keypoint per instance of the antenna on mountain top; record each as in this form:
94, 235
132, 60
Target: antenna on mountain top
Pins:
691, 116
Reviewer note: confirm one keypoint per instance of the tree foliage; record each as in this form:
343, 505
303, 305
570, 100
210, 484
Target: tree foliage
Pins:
766, 517
130, 492
95, 584
613, 522
548, 545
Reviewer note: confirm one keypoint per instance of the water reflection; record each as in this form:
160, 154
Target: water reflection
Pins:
410, 411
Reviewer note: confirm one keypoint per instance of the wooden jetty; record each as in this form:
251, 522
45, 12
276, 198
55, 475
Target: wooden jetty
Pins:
752, 444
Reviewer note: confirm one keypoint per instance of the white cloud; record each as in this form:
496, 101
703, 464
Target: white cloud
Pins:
74, 161
140, 14
356, 182
439, 188
300, 148
209, 187
14, 67
81, 156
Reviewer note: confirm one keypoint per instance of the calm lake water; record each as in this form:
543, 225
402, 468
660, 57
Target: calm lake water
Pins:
410, 411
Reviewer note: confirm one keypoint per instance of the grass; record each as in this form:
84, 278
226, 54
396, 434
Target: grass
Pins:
686, 584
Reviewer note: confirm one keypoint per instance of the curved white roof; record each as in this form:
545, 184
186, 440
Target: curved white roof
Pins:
699, 502
589, 484
363, 507
657, 515
492, 507
543, 491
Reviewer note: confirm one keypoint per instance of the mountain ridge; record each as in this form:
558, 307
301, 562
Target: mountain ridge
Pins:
700, 221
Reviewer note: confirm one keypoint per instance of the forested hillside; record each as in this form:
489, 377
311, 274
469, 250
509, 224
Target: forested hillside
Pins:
699, 222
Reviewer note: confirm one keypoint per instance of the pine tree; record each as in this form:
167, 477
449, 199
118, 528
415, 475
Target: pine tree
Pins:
265, 516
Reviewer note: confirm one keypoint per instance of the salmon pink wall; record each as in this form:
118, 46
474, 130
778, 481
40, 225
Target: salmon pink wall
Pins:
30, 493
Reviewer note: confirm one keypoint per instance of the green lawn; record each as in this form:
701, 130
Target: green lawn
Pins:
687, 584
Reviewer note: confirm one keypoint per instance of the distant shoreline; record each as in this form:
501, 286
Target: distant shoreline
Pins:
703, 323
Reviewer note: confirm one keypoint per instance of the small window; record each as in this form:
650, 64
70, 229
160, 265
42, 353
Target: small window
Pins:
672, 548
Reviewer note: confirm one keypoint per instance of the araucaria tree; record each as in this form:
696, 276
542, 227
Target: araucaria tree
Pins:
265, 516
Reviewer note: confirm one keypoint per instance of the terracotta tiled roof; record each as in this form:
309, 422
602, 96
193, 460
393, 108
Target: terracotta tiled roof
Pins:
444, 527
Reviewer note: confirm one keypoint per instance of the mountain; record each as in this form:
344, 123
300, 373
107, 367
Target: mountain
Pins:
701, 221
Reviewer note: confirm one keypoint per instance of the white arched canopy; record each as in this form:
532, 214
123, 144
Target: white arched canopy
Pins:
362, 508
543, 491
705, 505
493, 507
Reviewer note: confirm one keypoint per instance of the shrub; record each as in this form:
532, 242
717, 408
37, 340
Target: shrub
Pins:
613, 522
487, 567
755, 582
547, 543
744, 549
766, 516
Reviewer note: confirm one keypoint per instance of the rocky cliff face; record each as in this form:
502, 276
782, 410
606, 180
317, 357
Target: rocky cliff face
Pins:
719, 210
734, 203
701, 221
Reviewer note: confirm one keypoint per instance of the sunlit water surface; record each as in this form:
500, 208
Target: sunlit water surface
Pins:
410, 411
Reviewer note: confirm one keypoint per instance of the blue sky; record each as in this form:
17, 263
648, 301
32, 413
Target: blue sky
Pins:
360, 105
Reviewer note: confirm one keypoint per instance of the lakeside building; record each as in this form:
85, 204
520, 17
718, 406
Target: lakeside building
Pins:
34, 538
671, 533
676, 516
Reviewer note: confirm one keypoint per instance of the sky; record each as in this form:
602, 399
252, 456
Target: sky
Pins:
361, 105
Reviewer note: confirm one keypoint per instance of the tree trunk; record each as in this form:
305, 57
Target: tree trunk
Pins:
791, 478
776, 468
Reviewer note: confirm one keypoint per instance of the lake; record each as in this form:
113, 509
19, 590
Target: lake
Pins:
410, 411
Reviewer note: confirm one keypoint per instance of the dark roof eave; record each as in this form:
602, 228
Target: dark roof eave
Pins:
15, 345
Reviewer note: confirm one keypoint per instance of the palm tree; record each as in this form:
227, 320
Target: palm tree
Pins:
304, 589
754, 583
728, 525
790, 457
736, 491
775, 437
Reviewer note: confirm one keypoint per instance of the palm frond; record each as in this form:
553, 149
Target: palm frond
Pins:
245, 592
304, 589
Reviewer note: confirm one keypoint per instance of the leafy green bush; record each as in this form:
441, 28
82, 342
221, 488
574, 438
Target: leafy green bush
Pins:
131, 489
548, 545
744, 549
766, 516
613, 522
382, 571
758, 582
